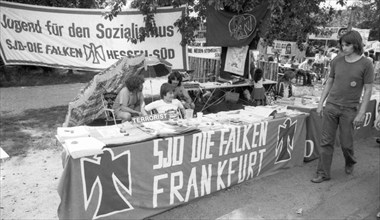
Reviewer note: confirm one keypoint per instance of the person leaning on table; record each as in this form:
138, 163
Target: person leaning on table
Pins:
130, 100
350, 74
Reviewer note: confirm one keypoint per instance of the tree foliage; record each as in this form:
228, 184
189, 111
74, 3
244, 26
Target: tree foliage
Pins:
59, 3
290, 20
364, 14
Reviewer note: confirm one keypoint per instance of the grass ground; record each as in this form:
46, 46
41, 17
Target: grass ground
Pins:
37, 76
32, 130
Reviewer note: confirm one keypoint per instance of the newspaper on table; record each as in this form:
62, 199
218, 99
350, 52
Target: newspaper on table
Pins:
168, 128
64, 133
84, 141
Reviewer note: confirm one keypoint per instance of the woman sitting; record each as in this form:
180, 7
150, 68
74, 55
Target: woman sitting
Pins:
130, 100
284, 86
180, 93
167, 104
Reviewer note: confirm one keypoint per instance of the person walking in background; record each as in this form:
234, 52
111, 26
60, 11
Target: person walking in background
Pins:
180, 93
258, 88
350, 74
130, 100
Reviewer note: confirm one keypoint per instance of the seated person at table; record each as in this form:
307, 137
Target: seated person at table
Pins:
167, 103
284, 85
130, 100
180, 93
305, 70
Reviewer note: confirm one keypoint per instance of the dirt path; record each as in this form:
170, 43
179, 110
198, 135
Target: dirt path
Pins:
28, 184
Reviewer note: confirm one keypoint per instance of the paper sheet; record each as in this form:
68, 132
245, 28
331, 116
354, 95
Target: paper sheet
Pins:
83, 146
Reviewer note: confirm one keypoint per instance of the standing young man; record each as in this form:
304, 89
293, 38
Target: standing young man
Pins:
350, 75
319, 61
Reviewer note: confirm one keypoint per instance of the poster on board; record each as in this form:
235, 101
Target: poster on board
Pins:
235, 60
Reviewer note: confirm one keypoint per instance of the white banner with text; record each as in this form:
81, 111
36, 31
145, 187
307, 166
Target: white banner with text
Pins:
83, 38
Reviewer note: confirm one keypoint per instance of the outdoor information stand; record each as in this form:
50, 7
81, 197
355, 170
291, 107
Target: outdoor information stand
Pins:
139, 180
223, 87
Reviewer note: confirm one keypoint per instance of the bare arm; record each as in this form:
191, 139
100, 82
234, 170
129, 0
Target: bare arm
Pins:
124, 102
189, 101
142, 105
324, 95
359, 119
127, 109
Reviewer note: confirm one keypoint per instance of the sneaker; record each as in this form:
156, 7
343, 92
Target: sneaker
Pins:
320, 179
349, 169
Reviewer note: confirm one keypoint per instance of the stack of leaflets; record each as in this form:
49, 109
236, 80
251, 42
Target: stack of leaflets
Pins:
64, 133
77, 141
169, 128
83, 146
124, 133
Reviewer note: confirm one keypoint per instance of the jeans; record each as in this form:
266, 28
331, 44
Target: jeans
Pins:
319, 69
334, 117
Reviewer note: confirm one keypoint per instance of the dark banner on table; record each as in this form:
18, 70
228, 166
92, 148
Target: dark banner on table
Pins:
141, 180
370, 116
314, 126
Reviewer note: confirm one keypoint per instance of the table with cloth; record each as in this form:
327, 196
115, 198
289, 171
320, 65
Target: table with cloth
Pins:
228, 90
314, 126
138, 180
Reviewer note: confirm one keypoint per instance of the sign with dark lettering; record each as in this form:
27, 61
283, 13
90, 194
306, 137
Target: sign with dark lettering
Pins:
334, 33
204, 52
83, 38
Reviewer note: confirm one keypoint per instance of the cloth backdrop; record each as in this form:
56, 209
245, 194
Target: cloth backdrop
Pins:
234, 30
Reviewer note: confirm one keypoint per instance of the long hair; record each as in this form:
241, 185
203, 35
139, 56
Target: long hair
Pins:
175, 75
354, 38
134, 82
258, 75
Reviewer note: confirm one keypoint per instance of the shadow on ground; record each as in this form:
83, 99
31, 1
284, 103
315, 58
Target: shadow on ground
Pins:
34, 129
